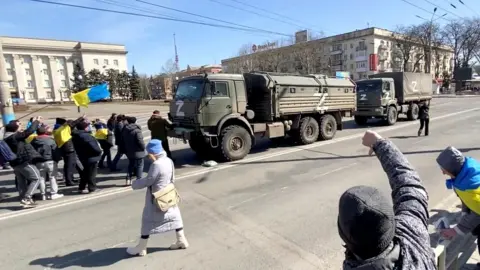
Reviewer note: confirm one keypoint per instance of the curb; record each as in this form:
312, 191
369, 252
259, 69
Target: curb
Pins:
456, 96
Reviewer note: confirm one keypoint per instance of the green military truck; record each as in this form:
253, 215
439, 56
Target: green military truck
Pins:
386, 95
221, 113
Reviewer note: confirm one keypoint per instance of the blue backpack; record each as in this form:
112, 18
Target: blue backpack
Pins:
6, 154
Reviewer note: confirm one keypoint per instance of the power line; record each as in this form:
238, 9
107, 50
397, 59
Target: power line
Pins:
121, 4
439, 7
467, 6
198, 15
260, 14
418, 7
160, 17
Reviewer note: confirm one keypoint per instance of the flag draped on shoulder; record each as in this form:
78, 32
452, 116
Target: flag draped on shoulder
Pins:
62, 135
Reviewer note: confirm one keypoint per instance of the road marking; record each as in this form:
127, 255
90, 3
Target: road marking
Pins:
222, 167
335, 170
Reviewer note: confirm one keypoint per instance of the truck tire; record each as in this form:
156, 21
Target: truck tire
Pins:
360, 120
392, 116
308, 130
235, 143
413, 111
201, 148
328, 127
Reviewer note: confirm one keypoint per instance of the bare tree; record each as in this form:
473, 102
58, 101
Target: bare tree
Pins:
406, 41
169, 67
307, 58
463, 36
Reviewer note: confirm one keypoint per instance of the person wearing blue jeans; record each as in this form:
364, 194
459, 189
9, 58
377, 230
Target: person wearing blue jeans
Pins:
134, 148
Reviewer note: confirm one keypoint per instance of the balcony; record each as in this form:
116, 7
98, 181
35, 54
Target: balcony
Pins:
336, 51
336, 63
360, 48
361, 58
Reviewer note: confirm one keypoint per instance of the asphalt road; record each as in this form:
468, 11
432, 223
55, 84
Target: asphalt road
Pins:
274, 210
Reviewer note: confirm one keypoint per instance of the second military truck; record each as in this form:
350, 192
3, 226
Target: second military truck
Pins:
220, 114
386, 95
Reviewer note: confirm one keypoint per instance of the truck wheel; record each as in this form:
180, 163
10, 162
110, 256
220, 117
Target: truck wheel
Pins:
328, 127
413, 111
361, 120
235, 143
392, 115
201, 148
308, 130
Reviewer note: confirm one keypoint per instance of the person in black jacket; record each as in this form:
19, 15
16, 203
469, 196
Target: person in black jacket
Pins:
88, 153
112, 121
424, 117
67, 151
27, 174
120, 123
134, 148
105, 138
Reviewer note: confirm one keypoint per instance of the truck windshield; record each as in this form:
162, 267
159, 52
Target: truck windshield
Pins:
190, 89
369, 86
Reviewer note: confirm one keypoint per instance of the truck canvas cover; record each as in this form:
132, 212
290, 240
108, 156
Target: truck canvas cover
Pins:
408, 85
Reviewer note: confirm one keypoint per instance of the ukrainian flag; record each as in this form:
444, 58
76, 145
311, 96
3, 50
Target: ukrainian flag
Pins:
92, 94
467, 184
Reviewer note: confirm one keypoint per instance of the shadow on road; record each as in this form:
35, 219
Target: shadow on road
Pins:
88, 258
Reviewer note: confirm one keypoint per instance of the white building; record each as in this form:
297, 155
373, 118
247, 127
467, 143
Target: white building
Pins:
40, 70
360, 53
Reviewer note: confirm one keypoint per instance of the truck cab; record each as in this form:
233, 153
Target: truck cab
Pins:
202, 103
374, 96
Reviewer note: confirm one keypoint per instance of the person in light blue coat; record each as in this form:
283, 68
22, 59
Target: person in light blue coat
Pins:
160, 174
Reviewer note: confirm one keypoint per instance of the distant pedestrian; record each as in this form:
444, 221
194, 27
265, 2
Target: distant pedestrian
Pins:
134, 148
26, 173
112, 121
160, 179
105, 138
378, 236
47, 148
424, 117
158, 127
118, 134
464, 174
88, 153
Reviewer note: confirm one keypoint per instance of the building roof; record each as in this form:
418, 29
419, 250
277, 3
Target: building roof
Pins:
60, 45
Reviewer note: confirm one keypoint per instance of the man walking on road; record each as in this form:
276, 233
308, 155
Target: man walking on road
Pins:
158, 127
377, 236
134, 148
424, 117
118, 134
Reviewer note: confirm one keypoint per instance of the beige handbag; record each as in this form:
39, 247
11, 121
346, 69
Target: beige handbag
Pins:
168, 196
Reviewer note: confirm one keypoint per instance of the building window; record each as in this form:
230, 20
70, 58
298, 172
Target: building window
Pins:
62, 73
63, 83
351, 45
9, 72
351, 56
95, 61
46, 83
31, 95
115, 62
351, 66
44, 61
11, 84
45, 71
65, 94
27, 72
105, 61
337, 47
30, 84
49, 94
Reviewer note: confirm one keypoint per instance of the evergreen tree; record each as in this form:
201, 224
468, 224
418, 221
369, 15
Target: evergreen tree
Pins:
79, 78
95, 77
134, 85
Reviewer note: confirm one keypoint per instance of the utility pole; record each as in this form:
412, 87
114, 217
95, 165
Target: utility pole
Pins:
430, 37
5, 98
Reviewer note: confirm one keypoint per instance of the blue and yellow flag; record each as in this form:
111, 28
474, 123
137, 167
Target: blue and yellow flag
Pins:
62, 135
92, 94
467, 184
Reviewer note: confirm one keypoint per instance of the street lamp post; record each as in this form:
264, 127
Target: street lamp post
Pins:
80, 77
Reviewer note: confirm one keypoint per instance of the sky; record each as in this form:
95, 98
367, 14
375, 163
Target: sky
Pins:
149, 41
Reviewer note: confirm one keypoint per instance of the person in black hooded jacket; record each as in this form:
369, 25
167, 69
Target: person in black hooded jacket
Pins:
134, 148
89, 153
377, 236
117, 132
27, 174
67, 151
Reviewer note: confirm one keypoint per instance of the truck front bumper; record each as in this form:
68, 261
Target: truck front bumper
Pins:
180, 133
370, 112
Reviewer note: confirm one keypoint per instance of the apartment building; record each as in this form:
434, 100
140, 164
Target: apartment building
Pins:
40, 70
360, 53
